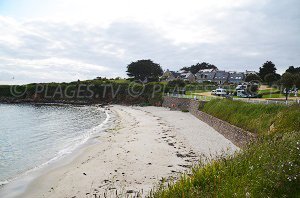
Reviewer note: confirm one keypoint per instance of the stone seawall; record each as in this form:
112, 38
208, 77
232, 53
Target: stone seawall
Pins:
176, 103
235, 134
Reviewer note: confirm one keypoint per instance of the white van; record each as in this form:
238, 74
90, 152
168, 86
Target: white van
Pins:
221, 92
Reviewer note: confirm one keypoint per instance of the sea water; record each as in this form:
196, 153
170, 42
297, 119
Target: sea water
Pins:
34, 135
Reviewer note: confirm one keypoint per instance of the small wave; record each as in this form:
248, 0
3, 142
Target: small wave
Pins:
2, 183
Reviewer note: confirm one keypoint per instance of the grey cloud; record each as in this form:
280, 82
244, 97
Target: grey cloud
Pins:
269, 31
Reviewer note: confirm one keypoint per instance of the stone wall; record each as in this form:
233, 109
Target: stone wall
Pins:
235, 134
173, 103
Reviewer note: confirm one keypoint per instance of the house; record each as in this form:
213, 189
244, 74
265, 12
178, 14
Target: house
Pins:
188, 76
170, 75
236, 77
207, 70
250, 72
205, 76
221, 77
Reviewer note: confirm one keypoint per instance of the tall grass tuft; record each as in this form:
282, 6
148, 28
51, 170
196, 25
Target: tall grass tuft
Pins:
268, 168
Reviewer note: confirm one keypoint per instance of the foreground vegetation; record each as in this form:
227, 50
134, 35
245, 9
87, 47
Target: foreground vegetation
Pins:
269, 167
256, 118
89, 91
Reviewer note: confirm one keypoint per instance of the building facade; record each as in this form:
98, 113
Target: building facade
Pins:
221, 77
236, 77
170, 75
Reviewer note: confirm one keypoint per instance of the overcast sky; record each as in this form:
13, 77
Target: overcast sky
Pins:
66, 40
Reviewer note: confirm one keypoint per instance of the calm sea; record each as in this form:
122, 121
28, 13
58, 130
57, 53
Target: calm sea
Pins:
34, 135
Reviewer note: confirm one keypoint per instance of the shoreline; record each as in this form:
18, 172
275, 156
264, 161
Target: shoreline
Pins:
122, 162
58, 103
17, 185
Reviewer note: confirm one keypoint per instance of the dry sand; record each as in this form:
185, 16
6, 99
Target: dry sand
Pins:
145, 144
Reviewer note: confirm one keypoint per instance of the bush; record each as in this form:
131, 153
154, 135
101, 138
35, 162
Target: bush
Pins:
259, 96
177, 82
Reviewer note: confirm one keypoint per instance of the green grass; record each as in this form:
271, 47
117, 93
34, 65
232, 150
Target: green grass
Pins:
195, 91
256, 118
121, 81
269, 167
268, 91
276, 95
272, 93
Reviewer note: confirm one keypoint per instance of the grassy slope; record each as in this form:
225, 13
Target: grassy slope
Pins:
277, 95
256, 118
268, 168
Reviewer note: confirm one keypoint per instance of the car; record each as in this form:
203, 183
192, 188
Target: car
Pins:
213, 92
221, 92
244, 94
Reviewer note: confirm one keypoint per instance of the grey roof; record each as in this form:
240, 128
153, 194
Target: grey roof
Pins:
221, 75
205, 75
175, 74
236, 76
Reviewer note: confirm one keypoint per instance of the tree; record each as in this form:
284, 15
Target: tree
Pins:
144, 70
297, 80
267, 68
195, 68
252, 88
293, 70
252, 77
271, 78
177, 82
287, 80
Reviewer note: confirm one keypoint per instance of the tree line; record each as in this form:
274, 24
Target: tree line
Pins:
267, 74
148, 71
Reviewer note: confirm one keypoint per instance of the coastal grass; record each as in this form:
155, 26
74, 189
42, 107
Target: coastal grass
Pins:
268, 167
256, 118
268, 91
277, 95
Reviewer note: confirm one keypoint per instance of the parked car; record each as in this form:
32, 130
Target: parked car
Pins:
213, 92
221, 92
244, 94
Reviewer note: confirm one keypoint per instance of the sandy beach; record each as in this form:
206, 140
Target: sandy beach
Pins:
144, 145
